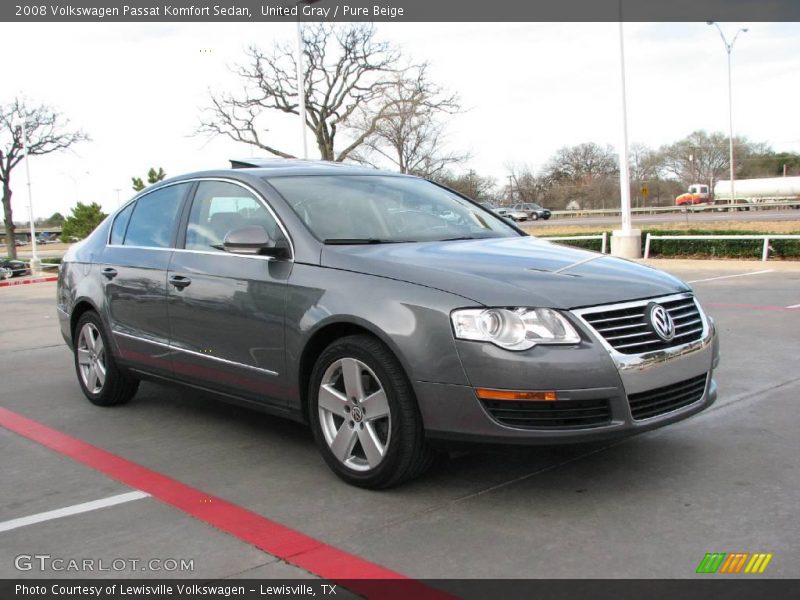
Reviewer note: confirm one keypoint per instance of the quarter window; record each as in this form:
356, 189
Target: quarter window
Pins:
220, 207
120, 224
153, 219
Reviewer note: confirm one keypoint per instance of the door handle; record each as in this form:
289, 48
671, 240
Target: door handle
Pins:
179, 281
109, 273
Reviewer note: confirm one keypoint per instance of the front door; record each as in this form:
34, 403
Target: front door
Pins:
226, 310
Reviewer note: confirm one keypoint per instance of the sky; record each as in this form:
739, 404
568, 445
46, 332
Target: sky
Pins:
527, 89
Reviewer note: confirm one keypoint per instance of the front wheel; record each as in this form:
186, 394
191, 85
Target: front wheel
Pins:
364, 415
101, 381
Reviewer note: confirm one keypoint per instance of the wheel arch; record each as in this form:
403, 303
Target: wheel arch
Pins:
324, 335
81, 307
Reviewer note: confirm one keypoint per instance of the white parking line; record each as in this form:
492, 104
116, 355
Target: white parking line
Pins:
75, 509
793, 306
729, 276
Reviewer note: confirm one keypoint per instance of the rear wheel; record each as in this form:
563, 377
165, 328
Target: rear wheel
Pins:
364, 415
534, 217
102, 382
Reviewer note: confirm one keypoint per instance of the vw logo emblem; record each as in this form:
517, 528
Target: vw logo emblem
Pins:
661, 322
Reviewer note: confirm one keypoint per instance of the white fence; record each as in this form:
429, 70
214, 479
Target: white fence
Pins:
561, 238
763, 238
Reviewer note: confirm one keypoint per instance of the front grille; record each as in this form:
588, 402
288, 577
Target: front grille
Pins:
666, 399
558, 414
627, 330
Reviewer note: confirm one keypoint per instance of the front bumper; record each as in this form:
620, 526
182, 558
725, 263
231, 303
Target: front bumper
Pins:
591, 372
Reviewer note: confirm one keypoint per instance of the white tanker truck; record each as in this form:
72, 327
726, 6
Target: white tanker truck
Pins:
768, 189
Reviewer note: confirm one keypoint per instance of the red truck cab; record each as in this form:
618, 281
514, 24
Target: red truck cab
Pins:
698, 194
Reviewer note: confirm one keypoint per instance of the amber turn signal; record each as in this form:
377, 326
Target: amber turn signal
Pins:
488, 394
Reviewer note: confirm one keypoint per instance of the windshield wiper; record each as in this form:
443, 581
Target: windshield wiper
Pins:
456, 239
349, 241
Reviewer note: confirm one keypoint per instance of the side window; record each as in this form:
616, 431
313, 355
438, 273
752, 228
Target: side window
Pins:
120, 224
153, 219
220, 207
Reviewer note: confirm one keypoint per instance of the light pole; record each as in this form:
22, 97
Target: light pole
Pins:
728, 50
301, 88
625, 242
36, 264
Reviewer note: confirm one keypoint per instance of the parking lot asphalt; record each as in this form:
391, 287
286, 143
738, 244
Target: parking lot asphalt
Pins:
650, 506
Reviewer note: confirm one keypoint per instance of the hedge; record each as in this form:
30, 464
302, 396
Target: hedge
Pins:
789, 249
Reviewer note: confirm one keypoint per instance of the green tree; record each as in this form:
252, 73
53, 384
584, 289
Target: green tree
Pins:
153, 176
82, 221
770, 164
56, 219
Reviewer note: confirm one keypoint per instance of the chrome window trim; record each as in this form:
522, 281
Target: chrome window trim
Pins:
141, 194
259, 197
638, 361
192, 352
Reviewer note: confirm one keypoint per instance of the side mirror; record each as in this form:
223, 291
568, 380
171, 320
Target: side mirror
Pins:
254, 240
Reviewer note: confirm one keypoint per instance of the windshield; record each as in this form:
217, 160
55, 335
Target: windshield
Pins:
383, 209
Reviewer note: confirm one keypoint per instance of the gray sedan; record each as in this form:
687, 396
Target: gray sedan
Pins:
389, 313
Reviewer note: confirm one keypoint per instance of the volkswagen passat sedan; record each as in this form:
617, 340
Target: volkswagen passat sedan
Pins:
387, 312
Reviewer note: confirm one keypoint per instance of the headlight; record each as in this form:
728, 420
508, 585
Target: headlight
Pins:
513, 328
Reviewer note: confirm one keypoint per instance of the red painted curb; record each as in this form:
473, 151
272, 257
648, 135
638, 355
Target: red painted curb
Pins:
10, 282
355, 573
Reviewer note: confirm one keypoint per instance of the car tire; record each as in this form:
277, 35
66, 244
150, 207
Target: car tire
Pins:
101, 380
359, 391
534, 217
546, 217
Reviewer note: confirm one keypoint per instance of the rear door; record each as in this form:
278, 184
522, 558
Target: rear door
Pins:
134, 275
227, 310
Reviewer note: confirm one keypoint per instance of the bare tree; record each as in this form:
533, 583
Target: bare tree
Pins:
411, 131
471, 184
588, 160
47, 132
698, 158
586, 173
526, 185
346, 70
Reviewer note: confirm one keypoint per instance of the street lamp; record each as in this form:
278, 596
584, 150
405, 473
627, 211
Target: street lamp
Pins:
728, 50
36, 264
301, 88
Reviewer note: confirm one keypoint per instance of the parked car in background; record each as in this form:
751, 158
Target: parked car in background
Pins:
387, 312
17, 268
533, 211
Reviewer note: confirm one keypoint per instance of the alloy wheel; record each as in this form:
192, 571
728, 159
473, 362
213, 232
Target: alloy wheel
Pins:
92, 358
354, 414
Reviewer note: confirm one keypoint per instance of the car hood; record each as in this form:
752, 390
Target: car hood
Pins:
520, 271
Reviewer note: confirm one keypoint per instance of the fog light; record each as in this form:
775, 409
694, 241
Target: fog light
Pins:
489, 394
